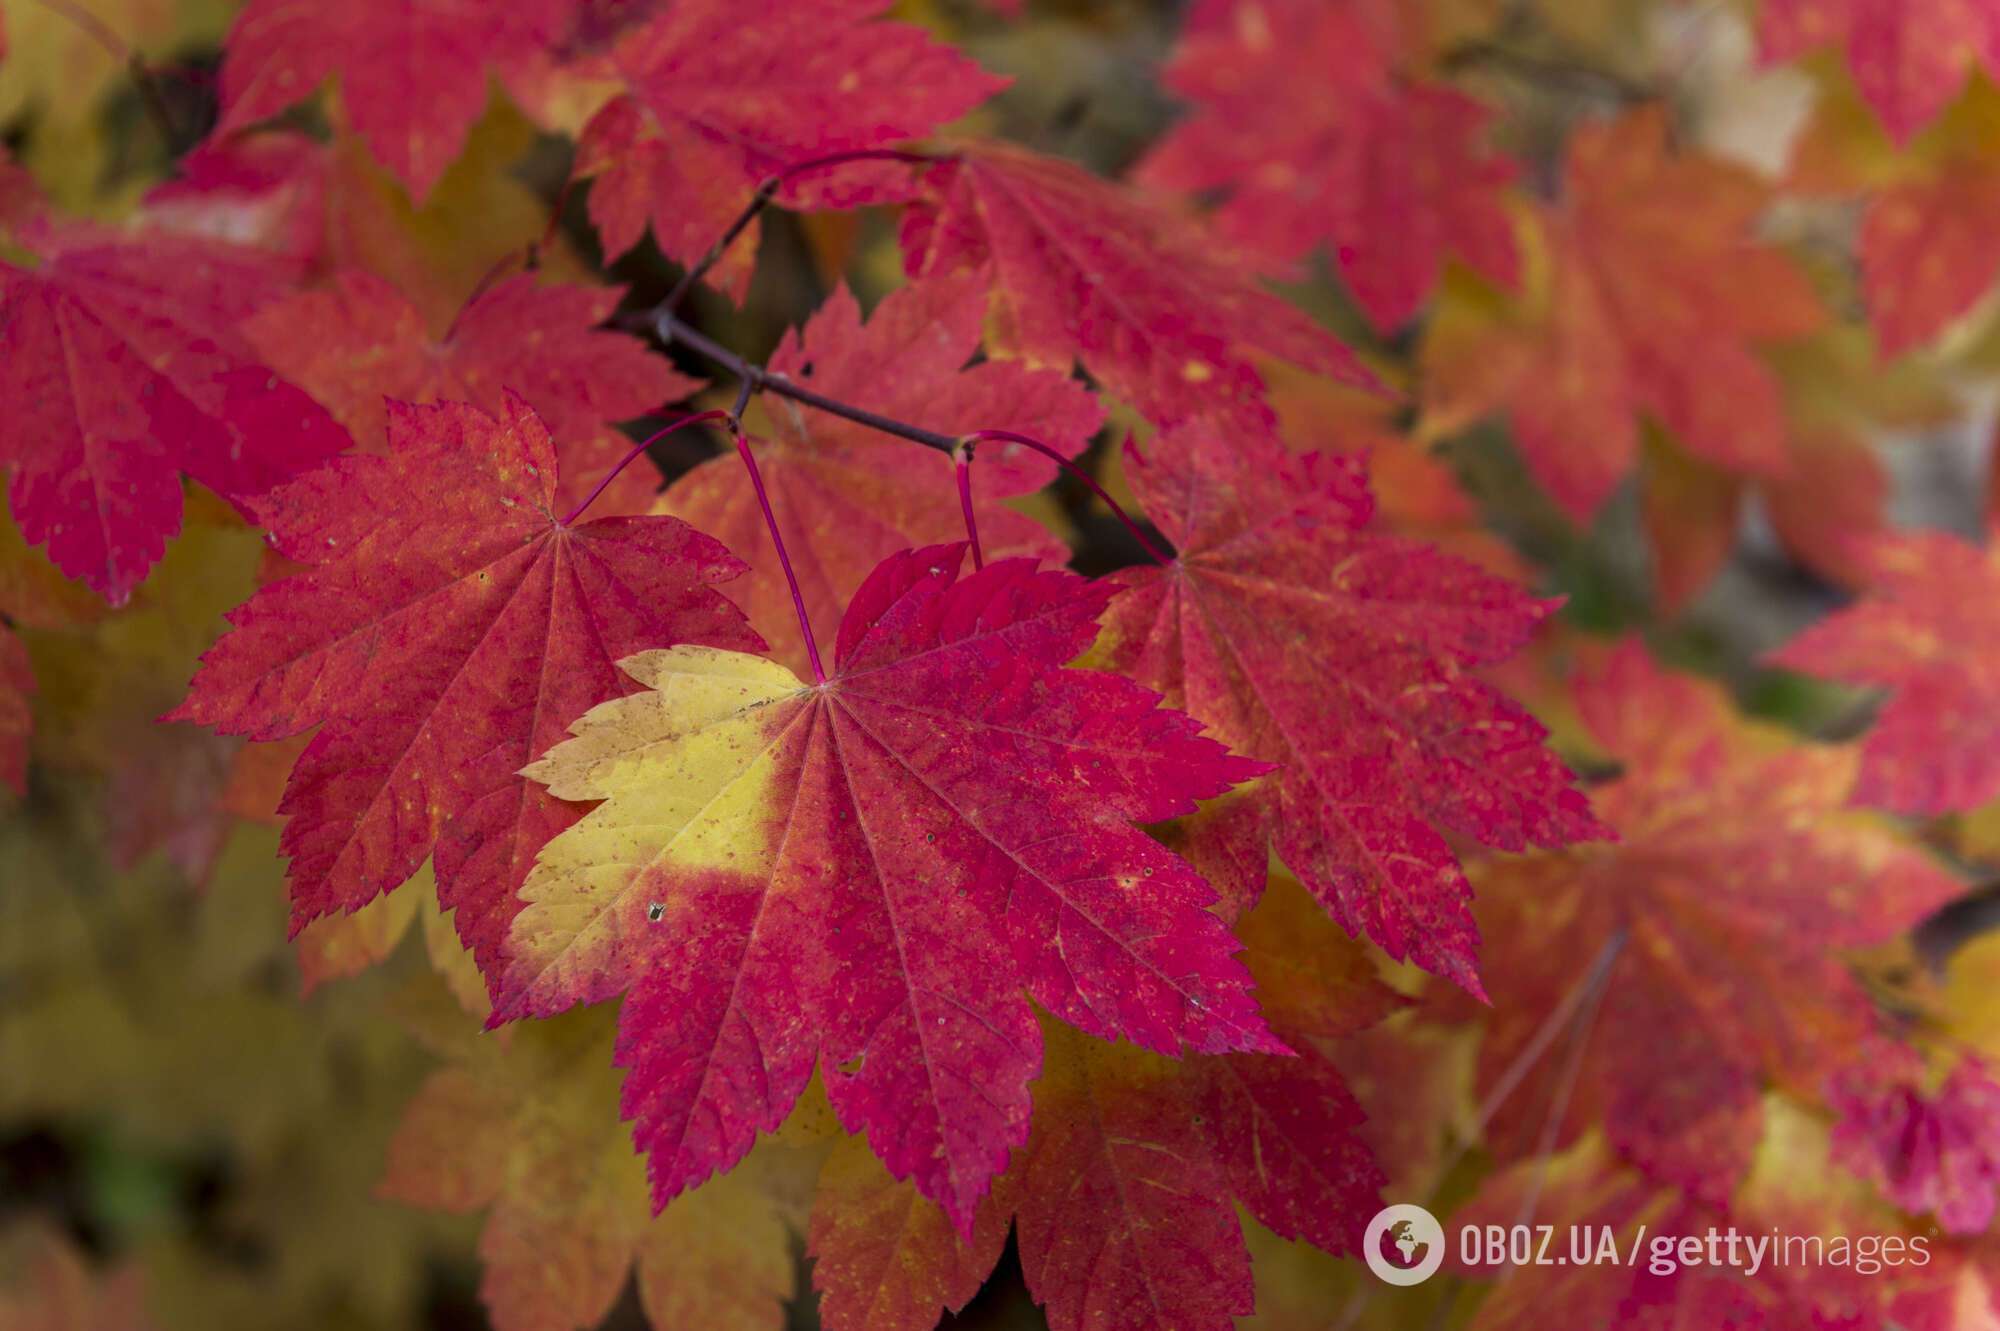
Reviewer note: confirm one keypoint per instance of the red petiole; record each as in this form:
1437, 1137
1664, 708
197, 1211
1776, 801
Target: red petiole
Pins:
961, 458
1089, 482
696, 419
778, 543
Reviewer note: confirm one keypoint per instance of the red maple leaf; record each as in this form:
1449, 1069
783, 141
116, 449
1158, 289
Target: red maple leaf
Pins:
1124, 1199
884, 1256
1080, 269
1656, 303
452, 623
359, 341
878, 873
123, 365
1929, 209
1126, 1195
1929, 1142
719, 97
1346, 656
1925, 256
1123, 1209
848, 497
1735, 884
1301, 126
413, 73
1834, 492
1908, 60
1416, 486
1925, 632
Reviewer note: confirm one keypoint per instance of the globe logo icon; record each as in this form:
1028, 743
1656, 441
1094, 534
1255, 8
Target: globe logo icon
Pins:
1403, 1244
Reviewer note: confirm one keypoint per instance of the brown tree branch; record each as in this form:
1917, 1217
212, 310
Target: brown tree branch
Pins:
670, 329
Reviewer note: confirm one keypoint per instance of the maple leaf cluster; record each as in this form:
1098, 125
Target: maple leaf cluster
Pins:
1159, 712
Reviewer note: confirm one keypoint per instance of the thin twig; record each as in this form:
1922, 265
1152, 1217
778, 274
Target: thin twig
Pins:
768, 190
1572, 1069
1160, 557
778, 543
548, 236
1552, 1025
670, 330
638, 448
744, 388
747, 386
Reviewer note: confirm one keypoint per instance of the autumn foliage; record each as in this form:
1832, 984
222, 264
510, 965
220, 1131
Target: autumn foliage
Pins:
718, 665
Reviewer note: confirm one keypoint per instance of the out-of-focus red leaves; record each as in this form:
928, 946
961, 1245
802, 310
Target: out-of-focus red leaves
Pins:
1908, 60
1656, 300
1313, 139
1926, 633
123, 365
413, 74
1932, 1143
1735, 882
